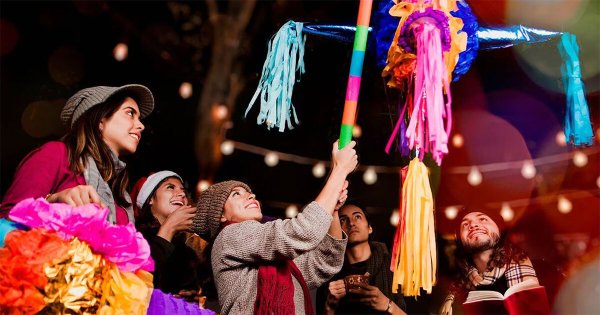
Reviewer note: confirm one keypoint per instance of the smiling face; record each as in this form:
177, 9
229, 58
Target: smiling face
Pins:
355, 224
241, 205
168, 197
123, 130
478, 232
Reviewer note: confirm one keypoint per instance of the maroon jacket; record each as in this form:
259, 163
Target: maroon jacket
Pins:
43, 171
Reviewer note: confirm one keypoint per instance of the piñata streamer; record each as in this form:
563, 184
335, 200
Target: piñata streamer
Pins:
285, 58
414, 255
578, 128
356, 65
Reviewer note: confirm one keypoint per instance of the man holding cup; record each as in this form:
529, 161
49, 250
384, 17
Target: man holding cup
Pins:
364, 285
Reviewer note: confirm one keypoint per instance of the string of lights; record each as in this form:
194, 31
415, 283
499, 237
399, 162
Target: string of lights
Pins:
474, 172
474, 177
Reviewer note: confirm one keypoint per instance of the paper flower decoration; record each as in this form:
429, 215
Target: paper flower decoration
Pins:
58, 259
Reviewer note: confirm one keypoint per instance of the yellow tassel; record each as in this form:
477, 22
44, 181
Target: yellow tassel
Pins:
415, 261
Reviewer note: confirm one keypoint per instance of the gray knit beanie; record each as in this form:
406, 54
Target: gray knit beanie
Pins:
87, 98
211, 204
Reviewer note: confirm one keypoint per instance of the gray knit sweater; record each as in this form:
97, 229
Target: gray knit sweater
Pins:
240, 248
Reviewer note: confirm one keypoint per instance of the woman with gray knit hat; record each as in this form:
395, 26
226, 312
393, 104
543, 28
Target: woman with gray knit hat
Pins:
269, 268
84, 167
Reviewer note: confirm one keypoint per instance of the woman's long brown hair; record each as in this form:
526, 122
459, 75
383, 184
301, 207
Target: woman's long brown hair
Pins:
84, 139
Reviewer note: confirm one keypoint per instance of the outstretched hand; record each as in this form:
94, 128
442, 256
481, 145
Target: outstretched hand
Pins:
345, 159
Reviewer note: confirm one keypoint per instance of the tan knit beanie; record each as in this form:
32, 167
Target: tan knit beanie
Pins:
211, 205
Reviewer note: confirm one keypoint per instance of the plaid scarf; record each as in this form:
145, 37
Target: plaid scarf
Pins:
514, 272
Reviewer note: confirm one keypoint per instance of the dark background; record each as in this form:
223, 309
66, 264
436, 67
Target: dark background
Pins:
506, 107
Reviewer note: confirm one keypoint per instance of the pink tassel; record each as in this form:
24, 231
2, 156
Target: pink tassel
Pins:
426, 131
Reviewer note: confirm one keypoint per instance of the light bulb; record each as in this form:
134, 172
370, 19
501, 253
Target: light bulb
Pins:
120, 52
291, 211
474, 178
458, 140
356, 131
227, 147
271, 159
564, 205
451, 212
203, 185
528, 170
185, 90
507, 213
560, 139
318, 170
370, 176
219, 112
580, 159
395, 218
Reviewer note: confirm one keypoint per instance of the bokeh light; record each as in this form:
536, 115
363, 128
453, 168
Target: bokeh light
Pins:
580, 159
395, 218
356, 131
506, 212
42, 118
528, 170
532, 14
9, 38
458, 140
541, 62
227, 147
271, 159
564, 205
587, 30
219, 112
474, 178
185, 90
318, 170
561, 139
66, 66
291, 211
120, 52
370, 176
576, 295
451, 212
203, 185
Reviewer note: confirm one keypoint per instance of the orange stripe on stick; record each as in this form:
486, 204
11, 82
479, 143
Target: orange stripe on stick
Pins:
364, 12
349, 116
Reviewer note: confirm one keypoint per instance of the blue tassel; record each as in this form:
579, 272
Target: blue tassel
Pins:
284, 59
578, 128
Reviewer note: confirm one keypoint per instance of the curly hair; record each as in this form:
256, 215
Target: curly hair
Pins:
504, 252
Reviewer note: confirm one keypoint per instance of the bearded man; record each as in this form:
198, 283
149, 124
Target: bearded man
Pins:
486, 260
